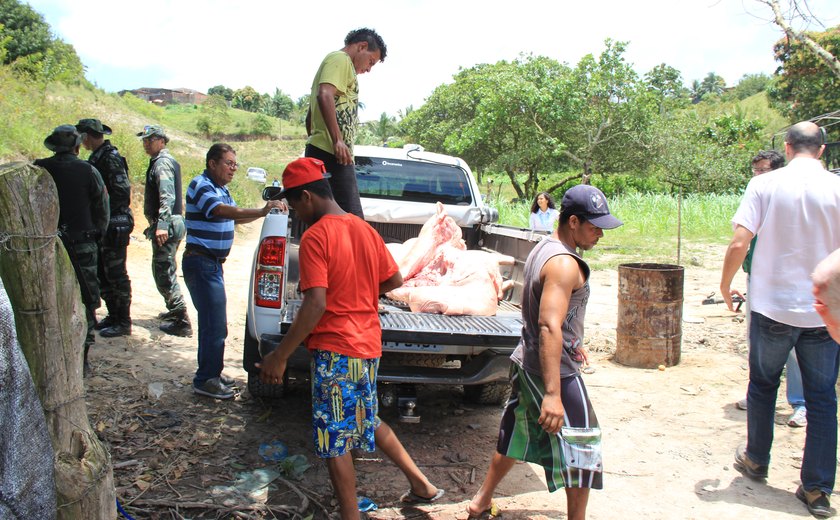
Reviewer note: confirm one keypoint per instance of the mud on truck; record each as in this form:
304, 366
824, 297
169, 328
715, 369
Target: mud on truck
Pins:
400, 189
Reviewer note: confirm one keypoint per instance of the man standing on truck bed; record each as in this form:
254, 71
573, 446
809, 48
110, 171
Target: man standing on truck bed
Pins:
164, 208
548, 419
344, 267
333, 115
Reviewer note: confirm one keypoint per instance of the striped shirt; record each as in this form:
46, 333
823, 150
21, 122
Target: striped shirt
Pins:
204, 231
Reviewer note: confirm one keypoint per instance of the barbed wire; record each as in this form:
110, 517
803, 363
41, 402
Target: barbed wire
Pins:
6, 241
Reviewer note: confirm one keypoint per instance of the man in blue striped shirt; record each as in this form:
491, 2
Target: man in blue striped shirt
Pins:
211, 215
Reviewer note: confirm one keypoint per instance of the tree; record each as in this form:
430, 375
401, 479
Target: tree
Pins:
749, 85
214, 116
806, 84
221, 90
280, 105
247, 99
666, 83
797, 12
26, 29
605, 117
383, 128
712, 84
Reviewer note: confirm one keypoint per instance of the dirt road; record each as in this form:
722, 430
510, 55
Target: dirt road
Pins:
669, 436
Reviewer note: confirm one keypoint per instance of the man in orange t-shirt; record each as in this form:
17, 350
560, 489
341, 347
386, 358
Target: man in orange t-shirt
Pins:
344, 267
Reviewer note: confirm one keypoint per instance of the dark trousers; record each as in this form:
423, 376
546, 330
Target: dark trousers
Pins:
342, 181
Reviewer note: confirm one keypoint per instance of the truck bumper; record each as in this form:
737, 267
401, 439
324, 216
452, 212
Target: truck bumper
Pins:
487, 367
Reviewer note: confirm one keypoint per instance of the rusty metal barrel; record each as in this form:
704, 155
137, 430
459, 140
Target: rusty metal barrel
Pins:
650, 301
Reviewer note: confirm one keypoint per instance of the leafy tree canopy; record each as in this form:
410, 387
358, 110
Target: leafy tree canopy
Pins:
806, 86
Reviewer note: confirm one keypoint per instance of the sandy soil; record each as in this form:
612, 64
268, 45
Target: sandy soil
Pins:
669, 436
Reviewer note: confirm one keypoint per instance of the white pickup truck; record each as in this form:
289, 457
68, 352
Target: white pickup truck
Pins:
399, 190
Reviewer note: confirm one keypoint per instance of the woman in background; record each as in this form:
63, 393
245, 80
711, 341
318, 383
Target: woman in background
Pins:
544, 214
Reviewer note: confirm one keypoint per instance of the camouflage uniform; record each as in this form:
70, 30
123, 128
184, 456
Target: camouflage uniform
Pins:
114, 282
163, 207
83, 219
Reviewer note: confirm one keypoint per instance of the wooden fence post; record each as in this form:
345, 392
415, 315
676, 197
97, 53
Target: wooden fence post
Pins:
51, 326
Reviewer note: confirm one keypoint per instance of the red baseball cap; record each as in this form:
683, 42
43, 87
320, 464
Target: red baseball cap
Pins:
303, 171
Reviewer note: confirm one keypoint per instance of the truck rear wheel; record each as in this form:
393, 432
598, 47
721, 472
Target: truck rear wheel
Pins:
488, 393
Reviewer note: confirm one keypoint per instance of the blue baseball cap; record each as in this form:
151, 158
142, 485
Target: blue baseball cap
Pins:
590, 203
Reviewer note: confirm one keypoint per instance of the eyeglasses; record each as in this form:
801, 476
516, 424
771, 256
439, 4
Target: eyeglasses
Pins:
231, 164
761, 170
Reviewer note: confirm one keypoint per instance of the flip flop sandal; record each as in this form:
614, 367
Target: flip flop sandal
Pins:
410, 497
492, 512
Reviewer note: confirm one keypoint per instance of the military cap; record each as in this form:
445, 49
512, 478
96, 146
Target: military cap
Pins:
93, 125
152, 131
63, 139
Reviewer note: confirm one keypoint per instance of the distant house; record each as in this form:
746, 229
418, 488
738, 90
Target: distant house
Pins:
165, 96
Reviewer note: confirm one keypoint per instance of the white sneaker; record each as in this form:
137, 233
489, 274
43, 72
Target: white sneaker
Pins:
742, 404
799, 418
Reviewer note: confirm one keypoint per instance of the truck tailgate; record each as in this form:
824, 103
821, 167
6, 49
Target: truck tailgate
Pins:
502, 330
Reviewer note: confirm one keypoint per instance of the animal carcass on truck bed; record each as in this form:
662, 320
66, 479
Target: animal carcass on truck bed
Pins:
440, 276
462, 333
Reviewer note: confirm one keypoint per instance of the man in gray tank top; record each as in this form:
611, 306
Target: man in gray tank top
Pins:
549, 420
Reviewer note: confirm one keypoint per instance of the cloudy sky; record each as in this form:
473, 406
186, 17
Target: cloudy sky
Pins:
275, 44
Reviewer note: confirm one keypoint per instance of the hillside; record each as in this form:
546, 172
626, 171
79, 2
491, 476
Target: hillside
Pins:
30, 111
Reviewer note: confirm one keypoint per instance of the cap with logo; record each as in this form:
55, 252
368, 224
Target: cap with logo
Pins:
93, 125
303, 171
63, 139
589, 202
152, 131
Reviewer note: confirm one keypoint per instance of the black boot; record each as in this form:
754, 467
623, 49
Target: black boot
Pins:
168, 315
120, 325
180, 326
121, 328
105, 322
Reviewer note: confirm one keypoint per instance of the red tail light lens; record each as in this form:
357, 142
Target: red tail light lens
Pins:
269, 276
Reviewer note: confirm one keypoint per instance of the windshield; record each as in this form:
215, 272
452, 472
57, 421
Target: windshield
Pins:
380, 178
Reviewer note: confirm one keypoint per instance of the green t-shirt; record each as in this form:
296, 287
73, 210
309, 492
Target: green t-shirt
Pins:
747, 265
337, 70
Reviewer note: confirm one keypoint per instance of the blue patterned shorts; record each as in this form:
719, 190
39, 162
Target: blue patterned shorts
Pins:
344, 403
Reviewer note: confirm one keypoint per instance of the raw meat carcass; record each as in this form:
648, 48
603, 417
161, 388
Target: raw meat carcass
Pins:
441, 276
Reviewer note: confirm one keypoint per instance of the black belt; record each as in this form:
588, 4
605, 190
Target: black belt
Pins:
193, 251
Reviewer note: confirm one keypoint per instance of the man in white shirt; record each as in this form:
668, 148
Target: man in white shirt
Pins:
795, 211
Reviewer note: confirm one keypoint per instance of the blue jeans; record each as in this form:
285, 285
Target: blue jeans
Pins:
205, 280
793, 382
818, 356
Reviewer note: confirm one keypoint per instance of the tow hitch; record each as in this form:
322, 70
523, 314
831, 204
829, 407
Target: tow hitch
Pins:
405, 398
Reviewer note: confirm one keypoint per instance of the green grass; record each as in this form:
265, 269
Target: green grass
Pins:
650, 229
29, 115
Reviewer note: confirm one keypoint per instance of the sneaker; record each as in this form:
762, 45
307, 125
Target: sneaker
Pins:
799, 419
816, 500
227, 380
745, 465
742, 404
214, 388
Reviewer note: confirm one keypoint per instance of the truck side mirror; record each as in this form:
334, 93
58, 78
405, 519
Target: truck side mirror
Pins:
272, 192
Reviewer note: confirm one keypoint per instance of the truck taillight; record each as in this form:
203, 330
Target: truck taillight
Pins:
268, 279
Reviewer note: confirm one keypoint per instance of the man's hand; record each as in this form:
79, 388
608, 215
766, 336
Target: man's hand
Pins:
161, 236
272, 368
727, 293
274, 204
342, 153
552, 413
